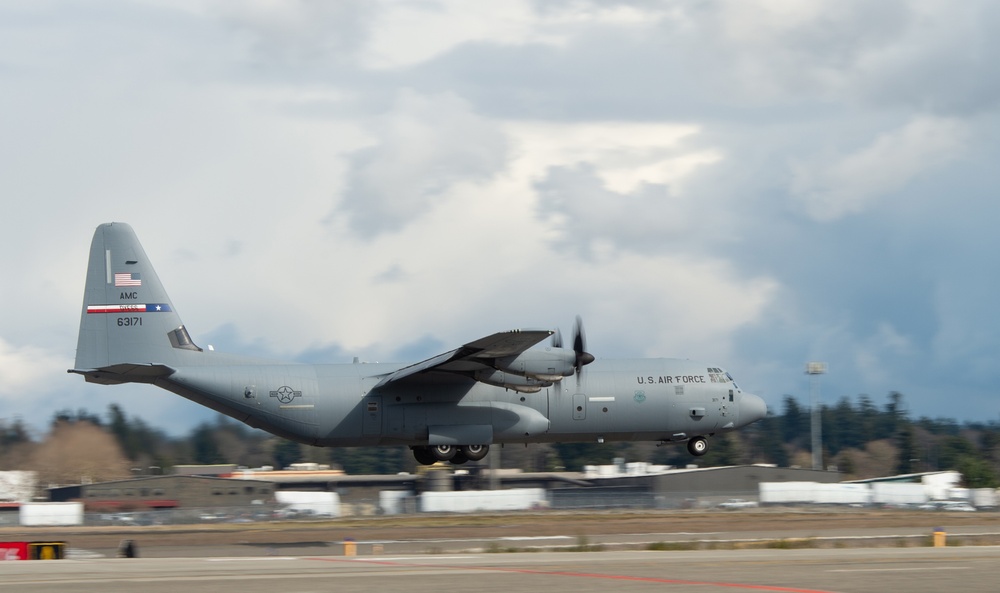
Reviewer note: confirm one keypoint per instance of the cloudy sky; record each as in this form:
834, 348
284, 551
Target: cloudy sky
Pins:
756, 184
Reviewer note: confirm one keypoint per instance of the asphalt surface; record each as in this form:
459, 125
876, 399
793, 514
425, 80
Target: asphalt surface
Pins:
804, 552
915, 570
418, 534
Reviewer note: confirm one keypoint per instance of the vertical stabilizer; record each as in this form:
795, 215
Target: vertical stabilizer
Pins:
128, 326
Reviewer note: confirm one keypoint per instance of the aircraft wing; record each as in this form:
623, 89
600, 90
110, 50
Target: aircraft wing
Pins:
473, 356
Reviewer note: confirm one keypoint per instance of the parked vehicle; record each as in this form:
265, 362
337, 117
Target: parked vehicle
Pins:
957, 506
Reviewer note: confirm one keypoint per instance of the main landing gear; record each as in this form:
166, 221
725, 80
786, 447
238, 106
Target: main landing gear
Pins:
428, 455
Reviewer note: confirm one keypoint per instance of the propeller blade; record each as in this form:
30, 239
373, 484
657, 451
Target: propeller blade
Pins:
579, 337
557, 339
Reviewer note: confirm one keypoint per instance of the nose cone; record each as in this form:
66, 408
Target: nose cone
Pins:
752, 409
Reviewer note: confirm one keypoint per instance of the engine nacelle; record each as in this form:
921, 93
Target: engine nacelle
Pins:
550, 364
509, 381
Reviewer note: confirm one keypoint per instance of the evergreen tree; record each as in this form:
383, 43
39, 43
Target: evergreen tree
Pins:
977, 472
794, 422
889, 422
953, 450
13, 434
372, 460
721, 451
70, 417
907, 449
867, 415
285, 453
138, 441
989, 444
767, 444
121, 430
940, 426
204, 448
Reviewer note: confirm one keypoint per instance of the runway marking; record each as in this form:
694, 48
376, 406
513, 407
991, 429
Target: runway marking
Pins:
398, 559
250, 558
453, 540
615, 577
587, 575
914, 569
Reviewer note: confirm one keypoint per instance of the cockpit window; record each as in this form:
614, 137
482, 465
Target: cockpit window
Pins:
717, 375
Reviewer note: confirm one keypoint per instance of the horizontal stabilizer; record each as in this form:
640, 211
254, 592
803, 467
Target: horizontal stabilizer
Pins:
125, 373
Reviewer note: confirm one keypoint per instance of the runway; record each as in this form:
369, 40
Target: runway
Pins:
855, 570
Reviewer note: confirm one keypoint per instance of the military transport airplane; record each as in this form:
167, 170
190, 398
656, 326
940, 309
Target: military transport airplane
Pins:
451, 407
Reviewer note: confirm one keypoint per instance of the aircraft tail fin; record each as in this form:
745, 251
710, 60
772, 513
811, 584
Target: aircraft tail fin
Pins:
129, 330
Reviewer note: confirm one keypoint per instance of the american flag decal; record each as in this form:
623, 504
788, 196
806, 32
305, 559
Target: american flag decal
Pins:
130, 308
128, 279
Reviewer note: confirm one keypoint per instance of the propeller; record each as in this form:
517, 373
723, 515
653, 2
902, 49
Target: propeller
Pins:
580, 345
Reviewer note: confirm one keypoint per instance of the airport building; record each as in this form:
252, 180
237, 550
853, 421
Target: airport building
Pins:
314, 492
166, 492
603, 487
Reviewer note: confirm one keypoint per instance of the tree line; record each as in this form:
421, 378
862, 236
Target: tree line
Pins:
860, 438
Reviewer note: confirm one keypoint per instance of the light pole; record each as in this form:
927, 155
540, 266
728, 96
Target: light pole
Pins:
814, 370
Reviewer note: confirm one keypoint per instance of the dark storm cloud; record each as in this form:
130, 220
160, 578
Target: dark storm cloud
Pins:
894, 299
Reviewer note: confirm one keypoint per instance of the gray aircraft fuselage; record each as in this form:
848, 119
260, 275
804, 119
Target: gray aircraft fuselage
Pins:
493, 390
334, 405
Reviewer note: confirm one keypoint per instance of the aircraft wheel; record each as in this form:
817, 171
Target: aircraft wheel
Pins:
475, 452
443, 452
459, 457
423, 455
698, 446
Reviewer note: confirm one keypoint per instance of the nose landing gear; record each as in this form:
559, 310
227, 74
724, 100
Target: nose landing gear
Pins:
698, 446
